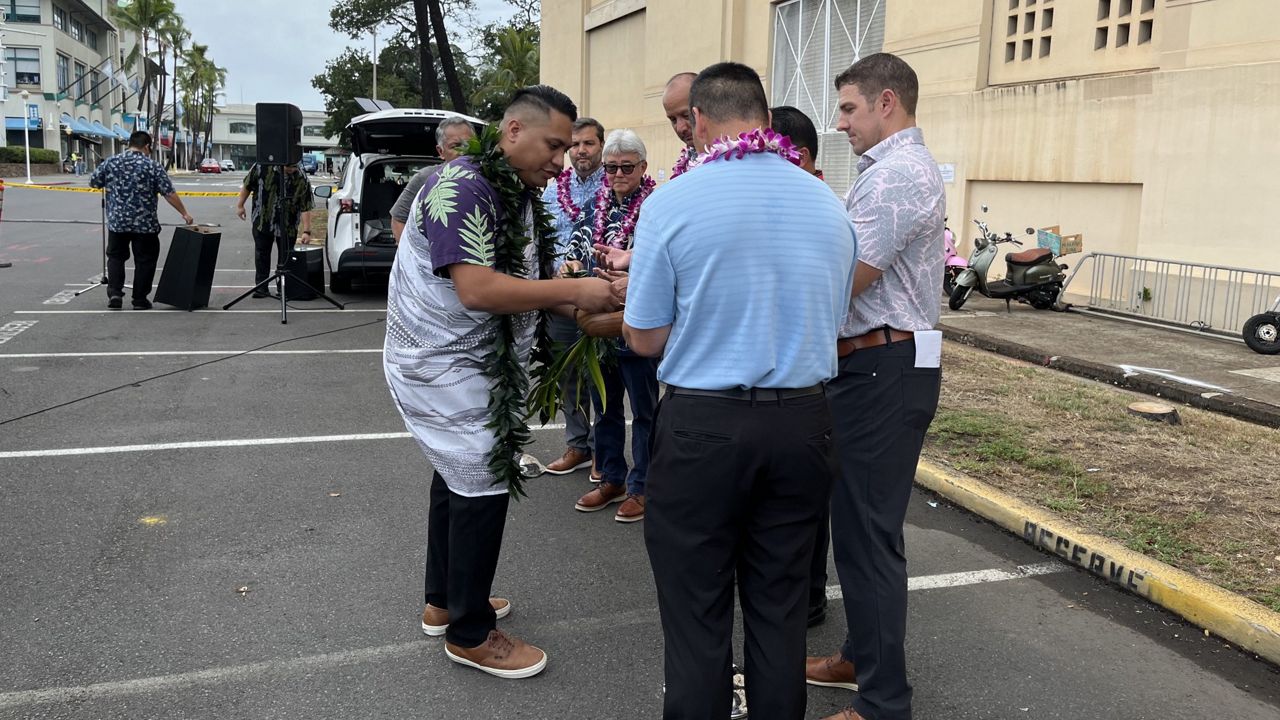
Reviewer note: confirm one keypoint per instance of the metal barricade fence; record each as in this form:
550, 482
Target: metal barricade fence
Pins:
1215, 299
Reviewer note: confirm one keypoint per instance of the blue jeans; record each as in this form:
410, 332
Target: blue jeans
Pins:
637, 377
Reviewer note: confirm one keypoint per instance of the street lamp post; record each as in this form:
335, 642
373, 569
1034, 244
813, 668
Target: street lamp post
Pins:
26, 132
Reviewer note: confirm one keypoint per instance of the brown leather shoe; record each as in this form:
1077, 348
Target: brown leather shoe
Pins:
845, 714
631, 510
500, 655
572, 459
832, 671
436, 620
601, 497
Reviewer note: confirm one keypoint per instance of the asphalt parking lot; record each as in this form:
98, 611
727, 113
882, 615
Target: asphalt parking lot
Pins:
225, 532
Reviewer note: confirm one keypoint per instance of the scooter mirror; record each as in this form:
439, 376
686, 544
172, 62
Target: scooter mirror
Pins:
1031, 231
984, 208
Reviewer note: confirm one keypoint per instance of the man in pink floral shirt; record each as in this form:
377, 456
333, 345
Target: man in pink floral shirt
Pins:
886, 392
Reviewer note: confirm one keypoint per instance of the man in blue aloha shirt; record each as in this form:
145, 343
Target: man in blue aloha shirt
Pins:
571, 201
132, 181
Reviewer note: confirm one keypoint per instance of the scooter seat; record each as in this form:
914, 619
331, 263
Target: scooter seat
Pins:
1034, 256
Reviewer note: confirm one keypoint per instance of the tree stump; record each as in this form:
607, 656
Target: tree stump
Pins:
1156, 412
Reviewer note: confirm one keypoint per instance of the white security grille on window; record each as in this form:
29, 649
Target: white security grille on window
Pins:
813, 42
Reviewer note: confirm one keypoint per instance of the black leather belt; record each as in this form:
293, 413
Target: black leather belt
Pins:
752, 394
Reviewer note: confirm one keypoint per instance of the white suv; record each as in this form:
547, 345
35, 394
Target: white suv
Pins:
388, 148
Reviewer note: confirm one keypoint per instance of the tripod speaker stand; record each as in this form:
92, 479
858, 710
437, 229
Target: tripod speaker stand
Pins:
279, 136
102, 282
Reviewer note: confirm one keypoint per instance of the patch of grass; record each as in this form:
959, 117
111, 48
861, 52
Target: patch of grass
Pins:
1063, 505
949, 424
1161, 538
1006, 449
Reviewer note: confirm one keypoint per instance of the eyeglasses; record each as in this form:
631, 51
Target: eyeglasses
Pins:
626, 169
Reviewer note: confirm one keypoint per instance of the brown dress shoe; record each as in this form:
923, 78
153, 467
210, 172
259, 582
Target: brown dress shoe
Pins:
436, 620
845, 714
500, 655
832, 671
601, 497
572, 459
631, 510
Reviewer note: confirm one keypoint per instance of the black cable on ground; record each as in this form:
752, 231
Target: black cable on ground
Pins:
136, 383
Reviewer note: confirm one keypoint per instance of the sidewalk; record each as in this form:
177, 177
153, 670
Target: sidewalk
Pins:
1202, 371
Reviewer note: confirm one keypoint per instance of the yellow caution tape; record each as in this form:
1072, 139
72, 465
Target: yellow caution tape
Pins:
60, 188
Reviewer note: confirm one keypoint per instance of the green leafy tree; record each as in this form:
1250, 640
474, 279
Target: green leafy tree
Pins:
148, 19
512, 62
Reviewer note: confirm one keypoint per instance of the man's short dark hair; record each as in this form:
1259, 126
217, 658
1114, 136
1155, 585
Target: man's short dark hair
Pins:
874, 74
586, 122
796, 125
729, 91
543, 98
139, 139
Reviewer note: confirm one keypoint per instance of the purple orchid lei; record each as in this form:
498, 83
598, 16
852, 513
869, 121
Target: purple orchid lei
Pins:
631, 213
563, 195
760, 140
687, 156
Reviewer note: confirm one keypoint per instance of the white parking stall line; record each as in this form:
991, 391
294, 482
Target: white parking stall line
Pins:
310, 664
974, 577
239, 442
163, 313
167, 353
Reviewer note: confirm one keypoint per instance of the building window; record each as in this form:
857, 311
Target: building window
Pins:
91, 38
1028, 30
95, 86
243, 128
77, 30
64, 73
22, 10
80, 90
59, 18
1122, 23
25, 64
315, 131
813, 42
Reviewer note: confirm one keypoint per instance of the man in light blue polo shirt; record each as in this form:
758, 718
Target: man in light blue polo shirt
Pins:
740, 279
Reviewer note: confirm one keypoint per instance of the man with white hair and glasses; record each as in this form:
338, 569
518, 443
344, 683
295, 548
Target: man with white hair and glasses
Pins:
452, 135
617, 208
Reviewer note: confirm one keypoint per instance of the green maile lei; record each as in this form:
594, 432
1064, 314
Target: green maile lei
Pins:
509, 410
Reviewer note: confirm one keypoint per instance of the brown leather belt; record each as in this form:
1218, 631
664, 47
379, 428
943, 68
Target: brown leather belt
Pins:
875, 338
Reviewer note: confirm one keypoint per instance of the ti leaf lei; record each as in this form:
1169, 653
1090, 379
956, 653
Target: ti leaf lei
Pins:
509, 382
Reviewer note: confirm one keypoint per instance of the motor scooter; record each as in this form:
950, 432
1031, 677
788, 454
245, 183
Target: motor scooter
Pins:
1033, 276
955, 262
1262, 331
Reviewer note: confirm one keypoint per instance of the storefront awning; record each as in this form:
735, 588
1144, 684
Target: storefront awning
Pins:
120, 132
13, 123
102, 130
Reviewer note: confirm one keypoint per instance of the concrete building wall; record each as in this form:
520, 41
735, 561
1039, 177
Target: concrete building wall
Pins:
1145, 125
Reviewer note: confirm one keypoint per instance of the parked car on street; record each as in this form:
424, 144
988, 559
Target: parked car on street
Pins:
210, 165
388, 148
309, 164
228, 165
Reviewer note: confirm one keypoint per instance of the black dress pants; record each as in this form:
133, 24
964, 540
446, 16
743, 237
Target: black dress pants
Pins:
464, 538
735, 491
146, 252
881, 406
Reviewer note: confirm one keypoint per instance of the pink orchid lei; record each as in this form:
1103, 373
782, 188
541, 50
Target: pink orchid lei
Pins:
563, 195
604, 199
760, 140
687, 156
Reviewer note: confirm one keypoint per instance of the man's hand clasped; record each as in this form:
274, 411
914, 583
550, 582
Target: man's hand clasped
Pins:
611, 258
596, 296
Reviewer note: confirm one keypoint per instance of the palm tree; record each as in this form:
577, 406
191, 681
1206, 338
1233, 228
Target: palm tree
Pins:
145, 18
202, 79
174, 35
514, 65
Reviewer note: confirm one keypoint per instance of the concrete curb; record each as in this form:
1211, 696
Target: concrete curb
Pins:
1238, 407
1227, 615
